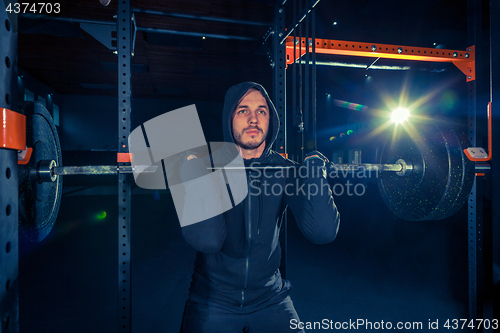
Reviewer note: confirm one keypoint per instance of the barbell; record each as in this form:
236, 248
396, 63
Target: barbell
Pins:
424, 176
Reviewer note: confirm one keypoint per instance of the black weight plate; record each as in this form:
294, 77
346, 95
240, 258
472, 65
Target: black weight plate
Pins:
441, 178
38, 202
462, 175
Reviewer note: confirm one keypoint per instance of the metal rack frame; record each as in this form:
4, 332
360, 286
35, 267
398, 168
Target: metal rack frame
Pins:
9, 310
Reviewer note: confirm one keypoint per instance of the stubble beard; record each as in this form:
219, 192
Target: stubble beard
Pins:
251, 144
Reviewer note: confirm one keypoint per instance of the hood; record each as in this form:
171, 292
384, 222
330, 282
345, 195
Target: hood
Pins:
233, 95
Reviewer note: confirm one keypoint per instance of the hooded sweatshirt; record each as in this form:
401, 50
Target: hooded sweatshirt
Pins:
238, 259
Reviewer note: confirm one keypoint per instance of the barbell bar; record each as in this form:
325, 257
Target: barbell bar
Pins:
91, 170
397, 167
48, 170
426, 177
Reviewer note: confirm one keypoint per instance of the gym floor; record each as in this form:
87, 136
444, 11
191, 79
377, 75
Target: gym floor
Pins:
378, 268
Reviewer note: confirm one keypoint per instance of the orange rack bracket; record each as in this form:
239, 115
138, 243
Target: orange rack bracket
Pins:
477, 154
12, 130
23, 157
464, 60
125, 158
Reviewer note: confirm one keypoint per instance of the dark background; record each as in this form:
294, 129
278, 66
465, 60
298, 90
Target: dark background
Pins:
379, 268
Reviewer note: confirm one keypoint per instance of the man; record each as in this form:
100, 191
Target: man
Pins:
236, 285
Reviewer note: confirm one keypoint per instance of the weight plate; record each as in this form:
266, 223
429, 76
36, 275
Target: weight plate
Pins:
441, 178
462, 176
38, 201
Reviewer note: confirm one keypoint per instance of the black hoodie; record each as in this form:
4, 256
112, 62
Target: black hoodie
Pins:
238, 258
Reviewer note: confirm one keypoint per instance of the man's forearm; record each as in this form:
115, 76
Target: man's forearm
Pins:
312, 204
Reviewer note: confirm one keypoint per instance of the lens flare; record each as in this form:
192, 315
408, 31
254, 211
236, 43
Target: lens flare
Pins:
101, 215
400, 115
349, 105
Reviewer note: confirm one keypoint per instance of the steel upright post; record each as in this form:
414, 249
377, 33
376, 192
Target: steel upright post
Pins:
124, 52
9, 218
477, 103
279, 97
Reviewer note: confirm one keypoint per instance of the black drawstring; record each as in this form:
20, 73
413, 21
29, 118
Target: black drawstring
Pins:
260, 205
260, 196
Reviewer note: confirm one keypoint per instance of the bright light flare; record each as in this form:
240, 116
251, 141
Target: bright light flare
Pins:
101, 215
400, 115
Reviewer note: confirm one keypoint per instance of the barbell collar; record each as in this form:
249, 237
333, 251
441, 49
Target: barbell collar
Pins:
406, 168
45, 171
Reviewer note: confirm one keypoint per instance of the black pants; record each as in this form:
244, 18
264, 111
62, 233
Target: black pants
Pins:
207, 317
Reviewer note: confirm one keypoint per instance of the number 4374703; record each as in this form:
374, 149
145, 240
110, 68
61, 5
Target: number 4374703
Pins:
34, 8
465, 323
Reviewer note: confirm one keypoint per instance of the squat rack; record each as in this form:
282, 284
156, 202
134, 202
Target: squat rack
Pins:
9, 311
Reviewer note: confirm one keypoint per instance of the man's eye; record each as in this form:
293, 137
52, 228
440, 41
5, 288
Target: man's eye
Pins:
242, 111
262, 111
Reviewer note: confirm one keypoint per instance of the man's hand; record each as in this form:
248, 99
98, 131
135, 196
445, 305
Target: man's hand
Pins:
190, 157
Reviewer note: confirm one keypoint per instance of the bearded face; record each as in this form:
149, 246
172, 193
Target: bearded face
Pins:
251, 121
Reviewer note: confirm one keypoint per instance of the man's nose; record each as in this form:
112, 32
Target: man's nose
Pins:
252, 118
